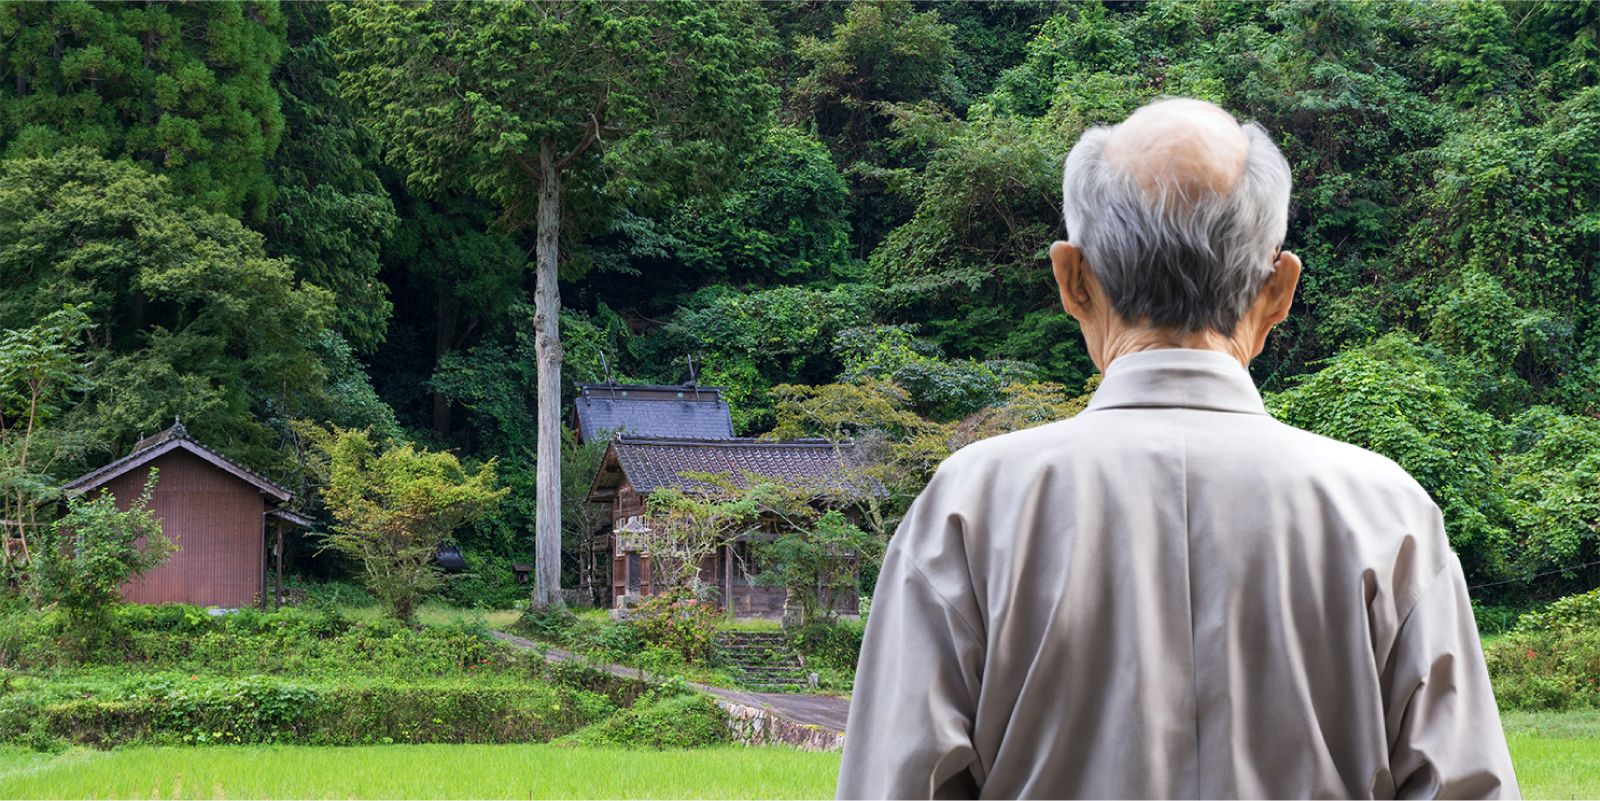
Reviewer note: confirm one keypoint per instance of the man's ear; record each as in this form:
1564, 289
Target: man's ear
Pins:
1277, 295
1072, 278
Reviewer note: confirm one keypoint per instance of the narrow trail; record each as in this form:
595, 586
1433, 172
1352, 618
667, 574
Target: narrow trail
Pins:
814, 722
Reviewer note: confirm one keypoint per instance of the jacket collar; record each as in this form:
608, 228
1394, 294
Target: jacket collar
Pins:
1177, 377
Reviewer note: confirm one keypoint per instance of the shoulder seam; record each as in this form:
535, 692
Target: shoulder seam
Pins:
942, 599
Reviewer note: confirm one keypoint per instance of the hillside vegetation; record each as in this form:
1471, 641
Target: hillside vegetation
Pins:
257, 238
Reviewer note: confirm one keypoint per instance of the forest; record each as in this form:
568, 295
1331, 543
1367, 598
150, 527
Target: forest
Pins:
256, 217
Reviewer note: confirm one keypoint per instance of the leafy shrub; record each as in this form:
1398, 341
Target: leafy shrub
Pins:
1553, 671
1552, 659
292, 640
677, 624
202, 710
1572, 613
489, 583
669, 716
619, 641
27, 638
328, 593
84, 558
835, 645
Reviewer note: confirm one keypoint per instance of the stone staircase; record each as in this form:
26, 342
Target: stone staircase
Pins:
763, 660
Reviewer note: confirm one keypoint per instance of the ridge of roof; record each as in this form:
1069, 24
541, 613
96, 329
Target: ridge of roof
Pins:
654, 387
174, 438
732, 442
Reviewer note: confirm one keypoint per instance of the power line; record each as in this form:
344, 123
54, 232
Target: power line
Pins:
1536, 575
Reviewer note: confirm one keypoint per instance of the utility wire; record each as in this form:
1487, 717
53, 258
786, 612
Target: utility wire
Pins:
1536, 575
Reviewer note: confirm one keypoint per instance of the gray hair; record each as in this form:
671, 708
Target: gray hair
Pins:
1192, 263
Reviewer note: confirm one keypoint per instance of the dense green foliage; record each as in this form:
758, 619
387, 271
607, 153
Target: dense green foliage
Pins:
1552, 658
41, 368
181, 88
176, 674
396, 506
325, 212
82, 559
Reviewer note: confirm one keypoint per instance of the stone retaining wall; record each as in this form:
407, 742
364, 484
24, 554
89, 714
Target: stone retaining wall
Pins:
753, 726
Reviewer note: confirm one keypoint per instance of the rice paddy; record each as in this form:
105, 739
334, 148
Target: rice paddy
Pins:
417, 771
1557, 756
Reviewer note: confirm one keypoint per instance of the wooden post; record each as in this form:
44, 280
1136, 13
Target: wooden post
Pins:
278, 526
261, 594
727, 576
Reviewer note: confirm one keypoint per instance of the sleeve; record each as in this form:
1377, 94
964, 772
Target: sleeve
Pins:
916, 690
1445, 739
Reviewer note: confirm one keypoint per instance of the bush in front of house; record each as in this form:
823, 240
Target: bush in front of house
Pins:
836, 645
294, 640
678, 623
1551, 660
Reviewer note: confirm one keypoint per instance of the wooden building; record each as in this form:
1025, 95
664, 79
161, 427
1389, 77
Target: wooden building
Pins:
633, 467
219, 514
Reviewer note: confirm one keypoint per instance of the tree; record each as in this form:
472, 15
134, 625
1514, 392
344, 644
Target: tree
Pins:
41, 368
395, 507
192, 318
881, 53
549, 106
87, 555
182, 88
470, 277
1408, 402
330, 212
687, 527
751, 341
817, 564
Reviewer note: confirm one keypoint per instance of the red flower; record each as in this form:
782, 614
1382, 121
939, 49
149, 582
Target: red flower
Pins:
1530, 653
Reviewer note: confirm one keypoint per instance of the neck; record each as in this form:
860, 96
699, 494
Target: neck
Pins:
1125, 339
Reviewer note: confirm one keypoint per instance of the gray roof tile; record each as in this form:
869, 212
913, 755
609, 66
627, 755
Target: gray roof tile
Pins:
653, 411
653, 463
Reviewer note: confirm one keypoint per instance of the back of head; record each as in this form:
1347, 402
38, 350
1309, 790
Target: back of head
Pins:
1177, 211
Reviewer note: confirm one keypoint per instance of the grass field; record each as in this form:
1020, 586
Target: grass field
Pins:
1557, 756
418, 771
438, 614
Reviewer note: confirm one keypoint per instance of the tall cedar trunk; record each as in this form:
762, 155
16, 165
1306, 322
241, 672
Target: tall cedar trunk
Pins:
446, 312
547, 346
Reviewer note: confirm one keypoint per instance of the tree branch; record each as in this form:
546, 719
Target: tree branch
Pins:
589, 137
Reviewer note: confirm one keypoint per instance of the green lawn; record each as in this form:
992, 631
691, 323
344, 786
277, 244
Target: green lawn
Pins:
418, 771
434, 613
1557, 756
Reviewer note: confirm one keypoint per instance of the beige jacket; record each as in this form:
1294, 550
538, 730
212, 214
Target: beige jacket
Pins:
1172, 595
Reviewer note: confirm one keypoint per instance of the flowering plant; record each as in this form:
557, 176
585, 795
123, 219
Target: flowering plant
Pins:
677, 621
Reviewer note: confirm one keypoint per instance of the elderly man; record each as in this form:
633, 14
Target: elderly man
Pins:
1172, 594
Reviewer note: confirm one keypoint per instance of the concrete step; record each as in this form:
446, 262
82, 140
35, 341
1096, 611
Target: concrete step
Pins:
762, 660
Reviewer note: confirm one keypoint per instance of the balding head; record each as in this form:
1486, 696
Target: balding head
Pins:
1190, 147
1177, 211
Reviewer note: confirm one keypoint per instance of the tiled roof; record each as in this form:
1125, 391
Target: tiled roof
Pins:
175, 438
653, 411
653, 463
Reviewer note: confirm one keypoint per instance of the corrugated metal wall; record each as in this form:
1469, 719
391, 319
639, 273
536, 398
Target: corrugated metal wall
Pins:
215, 518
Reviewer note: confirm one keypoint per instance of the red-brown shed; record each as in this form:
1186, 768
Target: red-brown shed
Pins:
214, 510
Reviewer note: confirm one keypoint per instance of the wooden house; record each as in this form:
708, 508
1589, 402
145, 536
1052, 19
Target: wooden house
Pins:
633, 467
222, 516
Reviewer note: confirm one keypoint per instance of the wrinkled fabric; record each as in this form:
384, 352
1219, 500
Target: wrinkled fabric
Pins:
1172, 595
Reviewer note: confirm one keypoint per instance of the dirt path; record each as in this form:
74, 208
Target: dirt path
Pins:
822, 714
